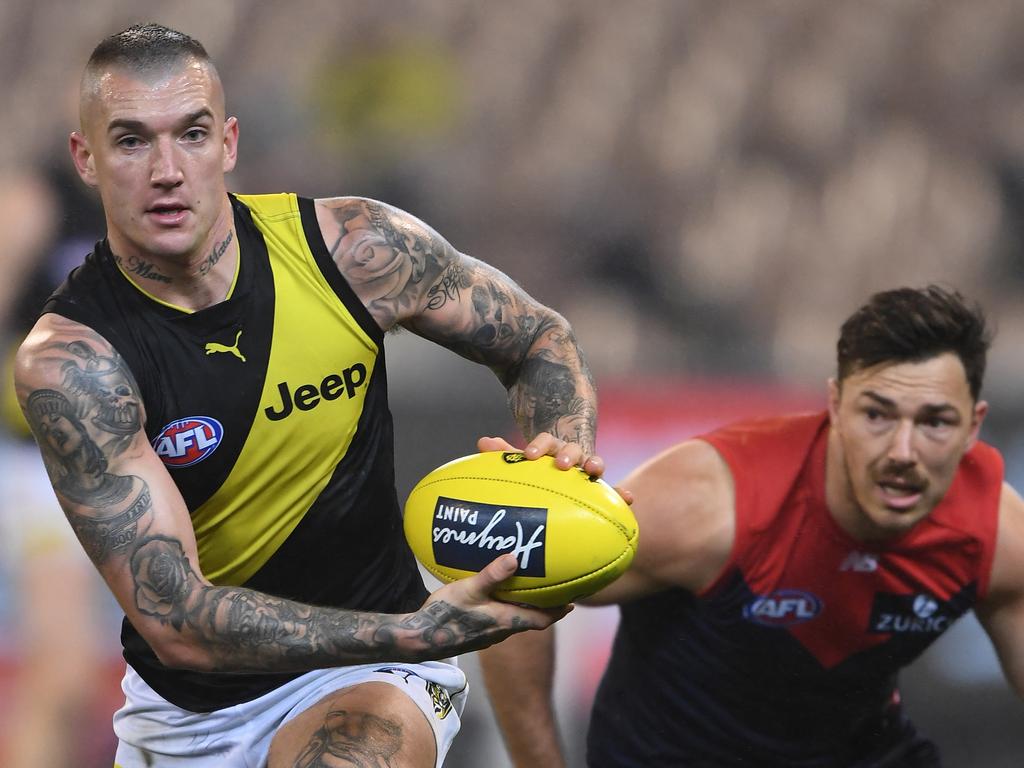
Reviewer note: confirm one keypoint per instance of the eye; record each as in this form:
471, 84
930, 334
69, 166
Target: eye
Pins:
194, 134
873, 414
129, 142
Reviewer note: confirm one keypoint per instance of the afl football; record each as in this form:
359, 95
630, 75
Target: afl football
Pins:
571, 533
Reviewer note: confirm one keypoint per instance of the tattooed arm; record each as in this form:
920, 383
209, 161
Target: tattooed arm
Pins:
406, 274
84, 408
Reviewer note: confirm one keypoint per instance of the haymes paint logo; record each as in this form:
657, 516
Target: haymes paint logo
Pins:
470, 534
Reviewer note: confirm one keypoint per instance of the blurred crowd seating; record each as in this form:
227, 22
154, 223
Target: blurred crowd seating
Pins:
720, 180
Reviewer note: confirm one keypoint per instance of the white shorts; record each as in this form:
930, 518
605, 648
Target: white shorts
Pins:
153, 733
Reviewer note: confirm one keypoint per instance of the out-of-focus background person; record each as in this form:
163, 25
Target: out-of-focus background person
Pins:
705, 188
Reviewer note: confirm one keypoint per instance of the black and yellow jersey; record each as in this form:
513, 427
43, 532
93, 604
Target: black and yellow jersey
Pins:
270, 412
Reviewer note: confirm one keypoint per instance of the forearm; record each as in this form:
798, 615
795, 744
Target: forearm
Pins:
519, 674
551, 389
193, 624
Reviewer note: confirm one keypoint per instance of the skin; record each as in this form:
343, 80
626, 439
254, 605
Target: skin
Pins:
156, 147
897, 435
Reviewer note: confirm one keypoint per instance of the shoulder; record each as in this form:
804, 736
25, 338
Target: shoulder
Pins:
684, 503
59, 352
339, 216
389, 257
1008, 563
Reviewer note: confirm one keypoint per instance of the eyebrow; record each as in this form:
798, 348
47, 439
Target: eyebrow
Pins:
138, 125
888, 403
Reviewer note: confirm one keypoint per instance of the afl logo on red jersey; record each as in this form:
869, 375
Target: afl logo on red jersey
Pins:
782, 608
188, 441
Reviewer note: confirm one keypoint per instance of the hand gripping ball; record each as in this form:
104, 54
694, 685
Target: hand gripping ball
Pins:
571, 533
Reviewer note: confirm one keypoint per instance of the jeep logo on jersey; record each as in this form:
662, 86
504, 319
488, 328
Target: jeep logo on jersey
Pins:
782, 608
469, 534
309, 396
188, 441
910, 614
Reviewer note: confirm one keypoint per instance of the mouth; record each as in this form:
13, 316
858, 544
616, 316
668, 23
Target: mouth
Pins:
900, 494
167, 214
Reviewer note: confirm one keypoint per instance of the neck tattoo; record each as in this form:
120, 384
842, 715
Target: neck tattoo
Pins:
136, 266
215, 255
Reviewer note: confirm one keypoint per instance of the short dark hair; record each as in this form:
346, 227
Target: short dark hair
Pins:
145, 48
912, 325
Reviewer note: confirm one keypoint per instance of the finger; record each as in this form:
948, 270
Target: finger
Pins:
569, 455
625, 493
593, 466
485, 444
544, 444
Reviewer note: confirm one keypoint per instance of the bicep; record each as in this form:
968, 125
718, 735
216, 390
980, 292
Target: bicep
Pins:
84, 408
683, 503
406, 274
1002, 611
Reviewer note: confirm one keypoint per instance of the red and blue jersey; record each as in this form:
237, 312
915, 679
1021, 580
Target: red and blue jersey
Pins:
790, 658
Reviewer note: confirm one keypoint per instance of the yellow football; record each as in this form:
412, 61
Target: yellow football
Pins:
572, 534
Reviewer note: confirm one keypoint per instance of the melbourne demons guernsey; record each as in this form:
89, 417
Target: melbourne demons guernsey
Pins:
790, 658
270, 412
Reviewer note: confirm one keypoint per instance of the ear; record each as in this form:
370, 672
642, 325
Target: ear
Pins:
833, 402
230, 144
977, 416
83, 158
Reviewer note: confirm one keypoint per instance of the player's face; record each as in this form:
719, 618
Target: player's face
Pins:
157, 148
898, 434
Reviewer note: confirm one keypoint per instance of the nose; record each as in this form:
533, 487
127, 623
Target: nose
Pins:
901, 447
166, 169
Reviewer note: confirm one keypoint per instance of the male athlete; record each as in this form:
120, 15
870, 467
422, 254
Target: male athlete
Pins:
208, 393
789, 567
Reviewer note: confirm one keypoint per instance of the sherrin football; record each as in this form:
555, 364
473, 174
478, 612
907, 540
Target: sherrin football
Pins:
572, 534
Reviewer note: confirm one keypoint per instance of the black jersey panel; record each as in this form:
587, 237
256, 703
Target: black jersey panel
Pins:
315, 238
691, 683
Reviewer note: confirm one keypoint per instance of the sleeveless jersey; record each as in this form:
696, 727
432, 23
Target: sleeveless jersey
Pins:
270, 412
790, 658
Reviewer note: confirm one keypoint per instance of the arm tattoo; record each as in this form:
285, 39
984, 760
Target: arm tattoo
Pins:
246, 630
531, 348
109, 507
389, 262
94, 417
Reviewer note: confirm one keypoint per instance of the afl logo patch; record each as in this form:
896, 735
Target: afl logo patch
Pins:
188, 441
782, 608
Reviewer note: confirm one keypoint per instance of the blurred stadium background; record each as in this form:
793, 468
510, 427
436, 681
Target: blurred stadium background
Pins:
705, 188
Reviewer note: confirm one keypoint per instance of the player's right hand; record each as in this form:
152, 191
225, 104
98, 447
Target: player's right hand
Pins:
463, 616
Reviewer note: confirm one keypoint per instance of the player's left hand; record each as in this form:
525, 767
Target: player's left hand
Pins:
566, 454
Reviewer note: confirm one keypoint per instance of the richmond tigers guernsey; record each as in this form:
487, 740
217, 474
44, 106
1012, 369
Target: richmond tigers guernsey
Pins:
790, 658
270, 412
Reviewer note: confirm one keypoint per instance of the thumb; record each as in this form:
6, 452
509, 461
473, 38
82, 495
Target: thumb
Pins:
487, 580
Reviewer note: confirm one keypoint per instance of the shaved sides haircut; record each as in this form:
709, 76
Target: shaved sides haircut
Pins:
148, 51
145, 48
